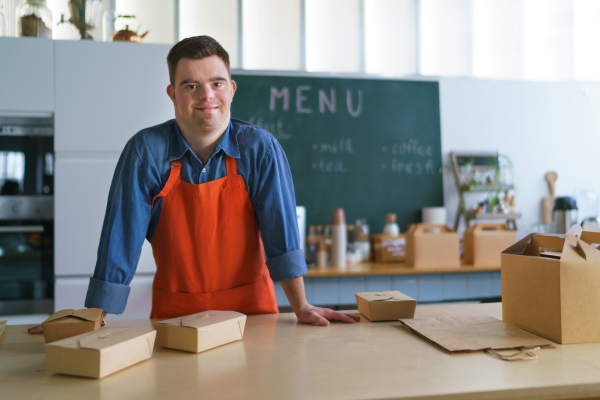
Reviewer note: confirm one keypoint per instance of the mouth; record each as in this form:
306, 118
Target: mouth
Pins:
207, 108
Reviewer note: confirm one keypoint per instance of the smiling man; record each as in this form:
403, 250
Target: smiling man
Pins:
203, 189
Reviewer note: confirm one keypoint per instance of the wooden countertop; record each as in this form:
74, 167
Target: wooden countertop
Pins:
280, 359
381, 268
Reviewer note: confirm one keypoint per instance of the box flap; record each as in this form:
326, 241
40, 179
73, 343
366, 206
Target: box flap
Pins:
101, 339
432, 228
480, 227
60, 314
590, 237
575, 230
88, 314
384, 296
203, 319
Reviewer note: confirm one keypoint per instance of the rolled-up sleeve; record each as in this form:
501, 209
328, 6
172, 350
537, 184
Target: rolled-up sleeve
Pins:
275, 207
123, 234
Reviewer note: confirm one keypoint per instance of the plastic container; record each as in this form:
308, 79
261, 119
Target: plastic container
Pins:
34, 19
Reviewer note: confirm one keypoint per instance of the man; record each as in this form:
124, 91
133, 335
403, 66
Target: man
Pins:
203, 189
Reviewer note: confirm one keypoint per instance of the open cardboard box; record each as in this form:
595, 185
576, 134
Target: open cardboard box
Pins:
201, 331
385, 306
483, 243
551, 287
100, 353
66, 323
432, 245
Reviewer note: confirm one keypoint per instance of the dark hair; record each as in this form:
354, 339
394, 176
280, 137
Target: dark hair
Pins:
196, 48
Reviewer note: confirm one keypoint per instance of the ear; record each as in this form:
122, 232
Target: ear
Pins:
234, 86
171, 93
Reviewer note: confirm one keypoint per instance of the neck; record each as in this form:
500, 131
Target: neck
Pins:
202, 143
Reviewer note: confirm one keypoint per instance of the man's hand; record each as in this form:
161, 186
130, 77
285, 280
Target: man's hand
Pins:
38, 328
321, 316
307, 314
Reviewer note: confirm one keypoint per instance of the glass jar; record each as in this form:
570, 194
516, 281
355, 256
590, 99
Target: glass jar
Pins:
2, 20
34, 18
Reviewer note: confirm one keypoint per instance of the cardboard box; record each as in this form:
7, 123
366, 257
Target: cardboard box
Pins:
389, 248
202, 331
483, 243
100, 353
385, 306
66, 323
551, 288
431, 245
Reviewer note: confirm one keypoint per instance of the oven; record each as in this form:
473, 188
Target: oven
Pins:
26, 214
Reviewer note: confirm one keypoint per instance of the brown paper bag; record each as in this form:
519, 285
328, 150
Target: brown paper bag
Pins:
468, 333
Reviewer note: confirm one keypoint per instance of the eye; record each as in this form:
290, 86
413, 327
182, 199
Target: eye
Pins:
218, 84
190, 87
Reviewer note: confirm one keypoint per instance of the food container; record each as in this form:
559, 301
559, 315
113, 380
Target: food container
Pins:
34, 19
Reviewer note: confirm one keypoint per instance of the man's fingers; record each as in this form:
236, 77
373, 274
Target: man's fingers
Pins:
336, 315
35, 329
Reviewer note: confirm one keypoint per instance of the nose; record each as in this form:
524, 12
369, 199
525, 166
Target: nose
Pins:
206, 92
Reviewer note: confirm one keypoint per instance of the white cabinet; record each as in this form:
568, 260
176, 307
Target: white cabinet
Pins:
106, 92
27, 78
81, 193
71, 292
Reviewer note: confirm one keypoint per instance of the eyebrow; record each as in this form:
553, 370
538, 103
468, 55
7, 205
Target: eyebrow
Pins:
215, 79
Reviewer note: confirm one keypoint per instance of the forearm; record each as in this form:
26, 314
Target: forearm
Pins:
294, 290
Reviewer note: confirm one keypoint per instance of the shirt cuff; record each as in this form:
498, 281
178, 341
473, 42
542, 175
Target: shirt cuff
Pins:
110, 297
287, 266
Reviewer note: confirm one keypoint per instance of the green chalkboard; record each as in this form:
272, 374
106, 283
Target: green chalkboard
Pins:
369, 146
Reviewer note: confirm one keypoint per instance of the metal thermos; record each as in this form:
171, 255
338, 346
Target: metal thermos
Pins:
565, 214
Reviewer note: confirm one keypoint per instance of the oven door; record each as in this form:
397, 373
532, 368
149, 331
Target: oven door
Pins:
26, 267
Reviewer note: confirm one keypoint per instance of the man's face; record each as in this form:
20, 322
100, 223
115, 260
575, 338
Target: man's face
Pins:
202, 95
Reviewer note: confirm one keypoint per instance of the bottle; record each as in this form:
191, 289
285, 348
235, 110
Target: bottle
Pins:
34, 18
350, 236
311, 245
321, 254
391, 228
327, 237
362, 243
338, 238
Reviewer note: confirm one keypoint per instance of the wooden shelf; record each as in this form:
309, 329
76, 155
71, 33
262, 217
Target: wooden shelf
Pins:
380, 268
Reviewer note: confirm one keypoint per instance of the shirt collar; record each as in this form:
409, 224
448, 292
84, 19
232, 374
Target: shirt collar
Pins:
228, 143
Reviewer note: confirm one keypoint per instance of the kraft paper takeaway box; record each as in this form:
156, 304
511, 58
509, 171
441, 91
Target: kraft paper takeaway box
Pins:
202, 331
66, 323
100, 353
551, 288
483, 244
385, 306
431, 245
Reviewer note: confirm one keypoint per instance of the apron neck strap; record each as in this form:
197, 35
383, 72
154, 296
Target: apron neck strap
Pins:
174, 176
231, 166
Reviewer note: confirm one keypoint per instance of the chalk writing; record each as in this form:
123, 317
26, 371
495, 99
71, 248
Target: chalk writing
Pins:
411, 147
330, 167
327, 103
341, 146
411, 168
276, 128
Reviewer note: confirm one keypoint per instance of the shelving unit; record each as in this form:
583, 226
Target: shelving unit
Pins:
478, 162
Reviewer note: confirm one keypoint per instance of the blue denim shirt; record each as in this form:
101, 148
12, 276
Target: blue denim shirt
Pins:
142, 171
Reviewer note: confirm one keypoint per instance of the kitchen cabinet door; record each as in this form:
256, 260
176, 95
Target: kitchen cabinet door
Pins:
27, 78
108, 91
81, 193
71, 292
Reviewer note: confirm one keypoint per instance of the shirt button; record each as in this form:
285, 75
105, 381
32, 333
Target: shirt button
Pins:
203, 169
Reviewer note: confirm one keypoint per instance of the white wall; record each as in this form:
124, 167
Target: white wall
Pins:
541, 126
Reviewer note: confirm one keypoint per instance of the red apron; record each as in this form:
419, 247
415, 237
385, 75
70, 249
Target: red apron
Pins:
207, 249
